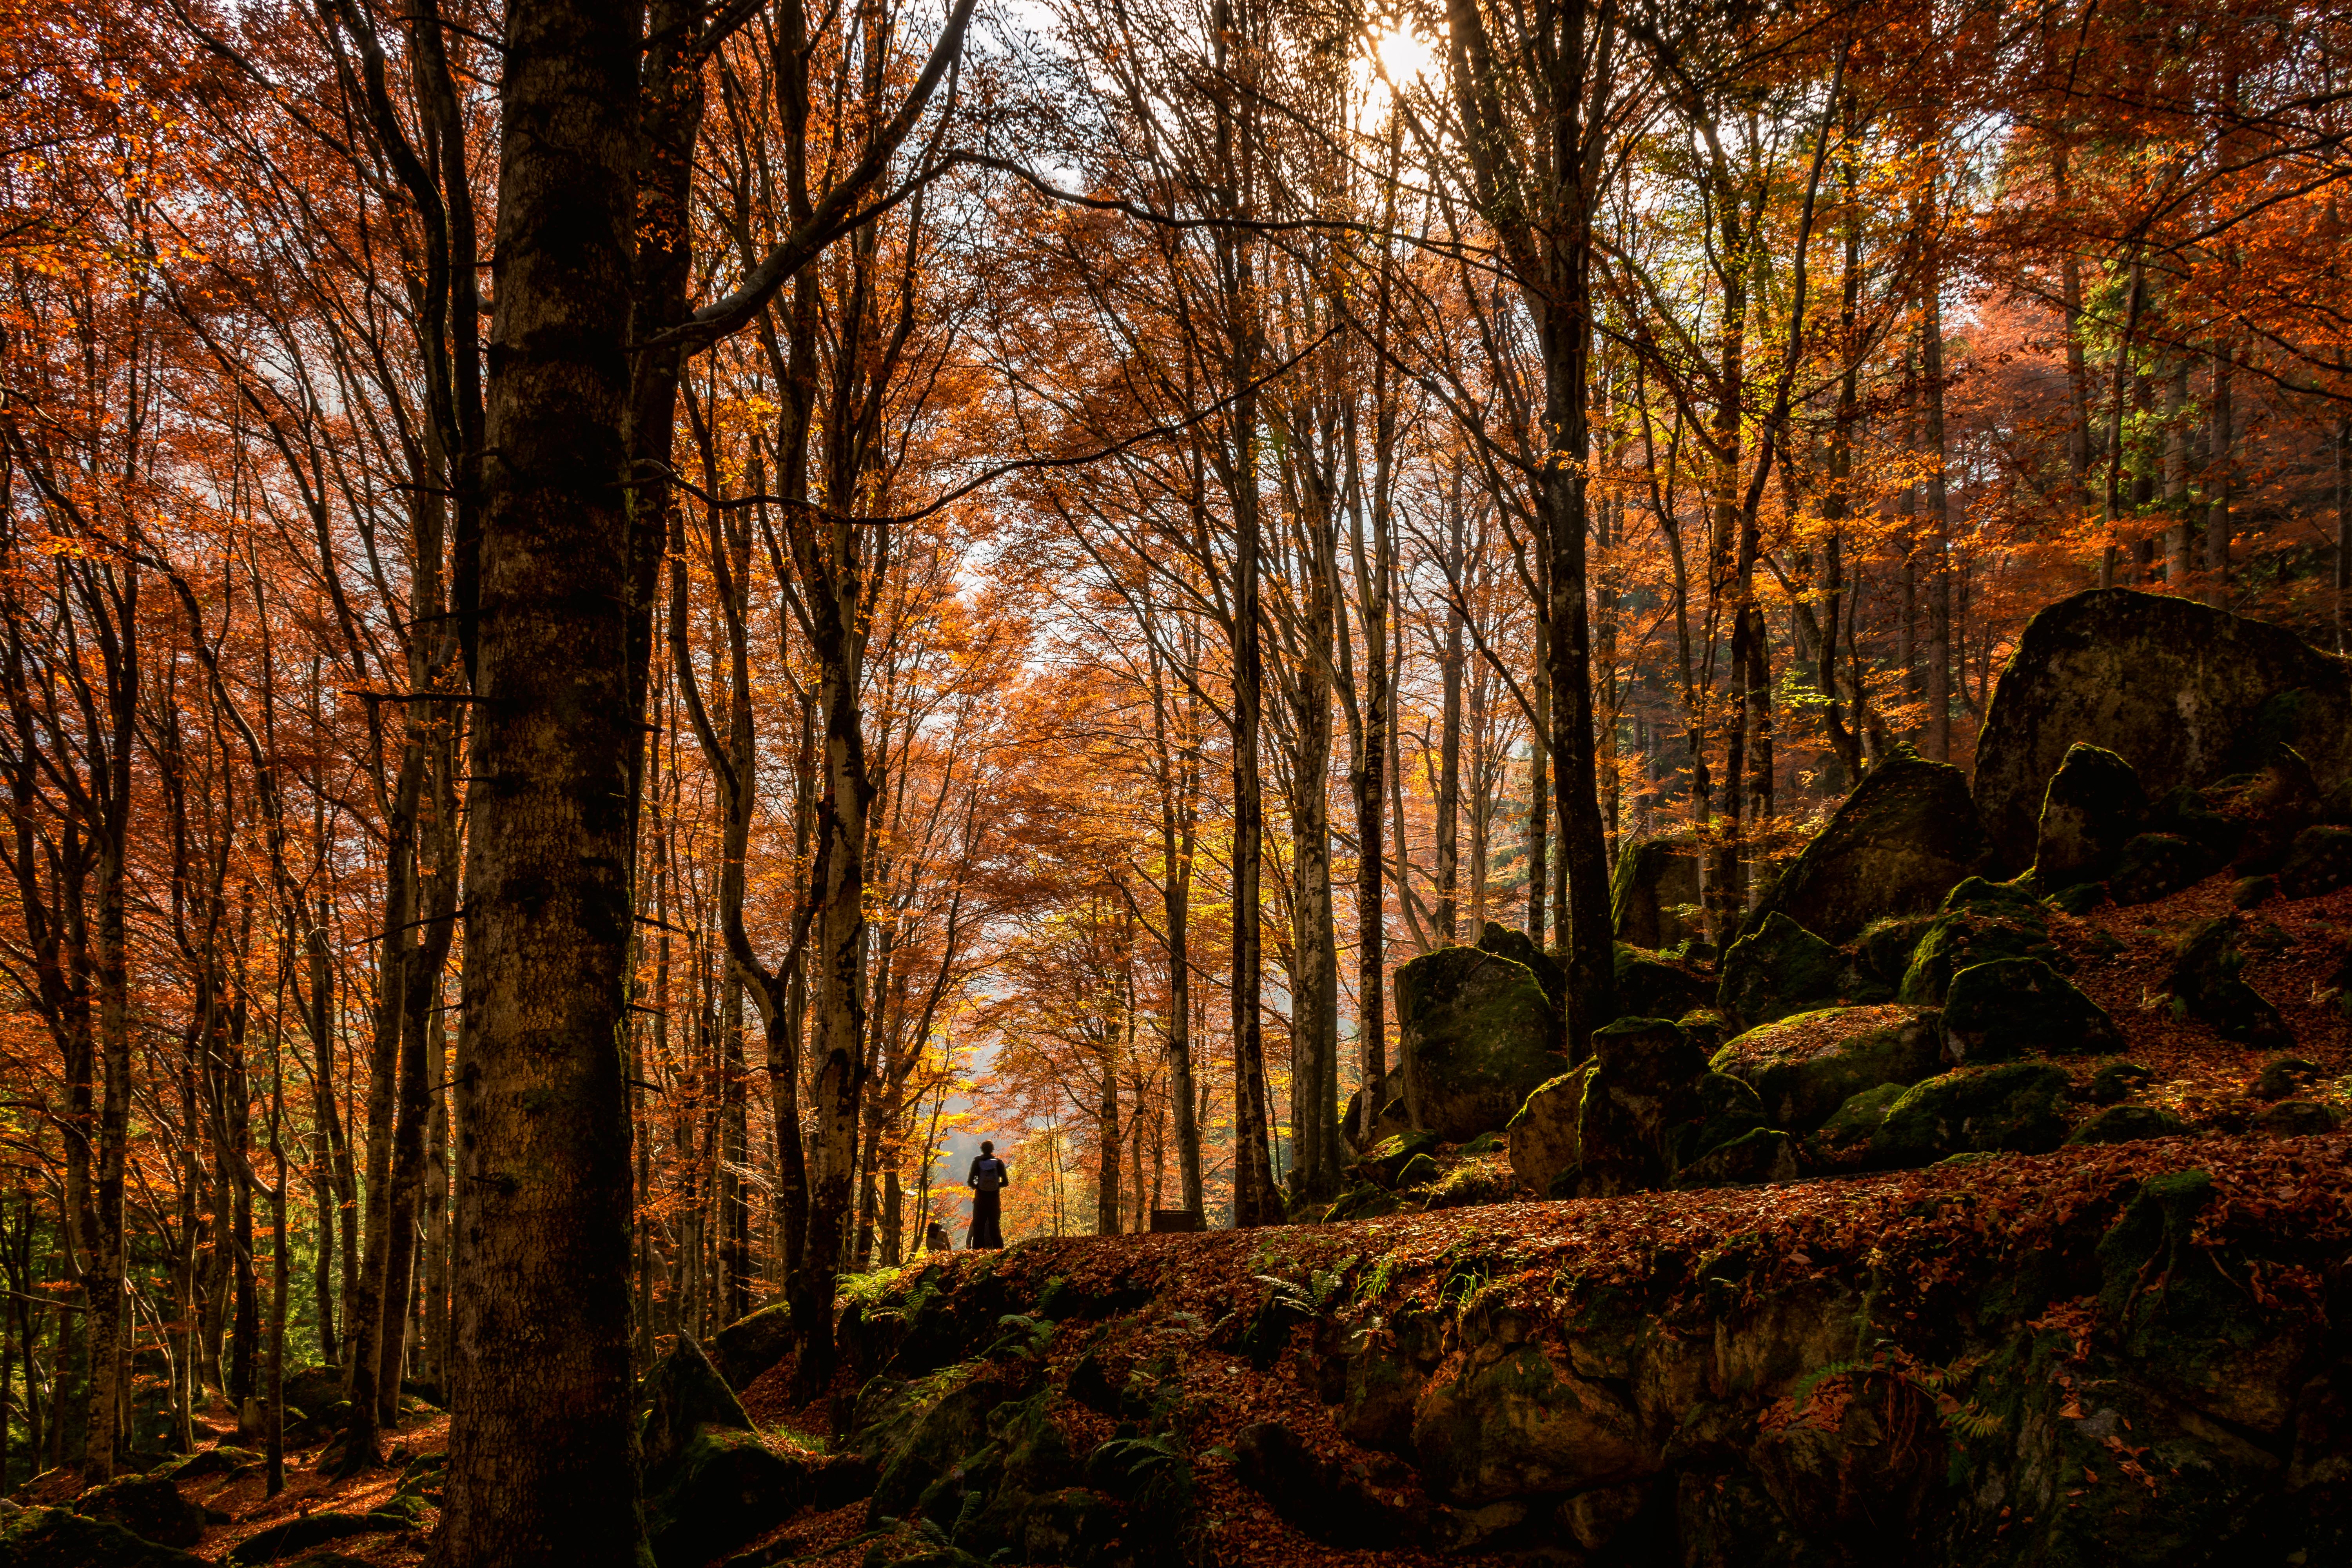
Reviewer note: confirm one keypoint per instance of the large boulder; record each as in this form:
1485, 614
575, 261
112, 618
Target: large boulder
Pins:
1509, 941
1778, 968
752, 1344
1656, 879
2319, 861
2153, 866
2022, 1007
1649, 987
1906, 834
1543, 1136
2011, 1108
1802, 1068
2094, 805
58, 1538
2183, 692
1643, 1086
710, 1484
1476, 1031
147, 1506
1969, 935
2206, 982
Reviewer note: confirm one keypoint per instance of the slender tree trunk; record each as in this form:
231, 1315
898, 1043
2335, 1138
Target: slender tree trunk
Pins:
1939, 551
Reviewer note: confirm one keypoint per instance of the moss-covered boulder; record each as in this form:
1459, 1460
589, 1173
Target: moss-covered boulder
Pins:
1855, 1123
2319, 861
2206, 982
1653, 892
2117, 1081
2021, 1006
1418, 1172
2294, 1119
1381, 1162
2013, 1108
2180, 690
1649, 987
1758, 1155
2128, 1123
1509, 941
1644, 1084
2267, 806
1721, 1110
2158, 865
752, 1344
1969, 935
2093, 807
1543, 1135
1884, 950
720, 1490
146, 1506
59, 1538
1906, 834
685, 1396
1778, 968
1803, 1068
1478, 1032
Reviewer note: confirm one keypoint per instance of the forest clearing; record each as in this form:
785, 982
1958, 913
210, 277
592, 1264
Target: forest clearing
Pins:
1175, 782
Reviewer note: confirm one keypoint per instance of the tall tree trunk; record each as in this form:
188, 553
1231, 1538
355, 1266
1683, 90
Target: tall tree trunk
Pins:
541, 1461
1940, 558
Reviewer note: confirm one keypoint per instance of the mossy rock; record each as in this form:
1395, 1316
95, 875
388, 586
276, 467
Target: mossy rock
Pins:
2178, 689
1778, 968
2206, 982
2157, 866
2080, 898
2270, 805
1970, 935
2284, 1076
1417, 1171
1804, 1068
1650, 987
685, 1396
1363, 1200
59, 1538
2128, 1124
2294, 1119
1705, 1028
1856, 1122
1903, 837
217, 1460
1653, 879
313, 1388
717, 1493
2019, 1007
1543, 1135
1722, 1111
1644, 1084
299, 1535
1379, 1163
2010, 1108
2019, 898
2320, 861
1485, 1143
2118, 1081
147, 1506
1509, 941
1759, 1156
752, 1344
1885, 948
2093, 807
1477, 1033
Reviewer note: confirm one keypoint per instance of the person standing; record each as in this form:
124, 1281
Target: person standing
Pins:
988, 1178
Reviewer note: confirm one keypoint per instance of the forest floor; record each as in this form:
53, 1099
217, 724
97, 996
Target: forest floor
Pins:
1931, 1225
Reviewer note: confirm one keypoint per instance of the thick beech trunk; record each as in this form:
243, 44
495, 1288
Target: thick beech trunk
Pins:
541, 1460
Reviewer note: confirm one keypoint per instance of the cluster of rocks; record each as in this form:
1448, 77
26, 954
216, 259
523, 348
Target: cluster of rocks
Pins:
1897, 993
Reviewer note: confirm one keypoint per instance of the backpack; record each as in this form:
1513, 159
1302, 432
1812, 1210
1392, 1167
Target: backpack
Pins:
987, 1174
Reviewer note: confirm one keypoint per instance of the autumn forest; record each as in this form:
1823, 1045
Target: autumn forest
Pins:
624, 627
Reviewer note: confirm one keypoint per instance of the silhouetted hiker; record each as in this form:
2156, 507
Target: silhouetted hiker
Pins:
988, 1178
935, 1239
